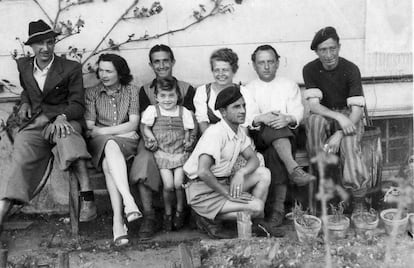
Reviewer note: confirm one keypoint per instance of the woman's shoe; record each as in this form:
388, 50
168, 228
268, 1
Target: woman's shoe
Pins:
122, 239
178, 221
133, 214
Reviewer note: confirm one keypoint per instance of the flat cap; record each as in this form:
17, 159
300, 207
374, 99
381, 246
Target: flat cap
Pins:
227, 96
322, 35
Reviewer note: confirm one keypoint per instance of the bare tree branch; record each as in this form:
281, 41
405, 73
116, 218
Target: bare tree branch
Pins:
94, 51
44, 11
218, 8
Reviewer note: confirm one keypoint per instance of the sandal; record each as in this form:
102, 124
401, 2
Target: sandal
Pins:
132, 214
122, 239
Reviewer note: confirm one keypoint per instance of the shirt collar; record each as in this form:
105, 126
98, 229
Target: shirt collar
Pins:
36, 67
227, 129
105, 90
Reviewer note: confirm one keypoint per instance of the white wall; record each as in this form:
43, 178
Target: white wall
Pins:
289, 25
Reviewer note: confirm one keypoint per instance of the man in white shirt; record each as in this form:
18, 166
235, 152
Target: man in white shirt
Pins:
277, 111
211, 192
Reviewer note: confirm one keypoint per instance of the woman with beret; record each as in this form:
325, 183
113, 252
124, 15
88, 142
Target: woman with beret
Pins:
112, 118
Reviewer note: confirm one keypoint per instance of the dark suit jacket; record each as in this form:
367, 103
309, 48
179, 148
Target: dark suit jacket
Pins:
63, 91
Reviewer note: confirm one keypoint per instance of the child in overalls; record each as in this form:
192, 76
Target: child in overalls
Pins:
166, 127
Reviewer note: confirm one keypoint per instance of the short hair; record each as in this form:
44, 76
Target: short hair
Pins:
121, 67
226, 55
168, 84
161, 48
263, 48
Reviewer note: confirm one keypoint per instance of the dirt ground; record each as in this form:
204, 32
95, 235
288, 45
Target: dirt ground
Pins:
48, 236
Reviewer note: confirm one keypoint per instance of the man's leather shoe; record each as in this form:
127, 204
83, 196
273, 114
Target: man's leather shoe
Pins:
149, 227
262, 228
87, 211
300, 177
212, 228
276, 220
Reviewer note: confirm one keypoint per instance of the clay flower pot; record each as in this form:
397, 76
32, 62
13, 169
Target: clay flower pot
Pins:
388, 217
338, 229
309, 231
365, 221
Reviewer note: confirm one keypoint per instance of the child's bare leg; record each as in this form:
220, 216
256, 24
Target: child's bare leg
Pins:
168, 189
179, 192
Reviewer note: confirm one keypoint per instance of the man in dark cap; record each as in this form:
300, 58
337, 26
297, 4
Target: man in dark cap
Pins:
211, 192
336, 101
51, 113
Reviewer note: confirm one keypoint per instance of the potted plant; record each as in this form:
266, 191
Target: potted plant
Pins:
391, 218
338, 223
307, 226
365, 220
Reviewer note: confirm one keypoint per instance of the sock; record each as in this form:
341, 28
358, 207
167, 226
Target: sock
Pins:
280, 197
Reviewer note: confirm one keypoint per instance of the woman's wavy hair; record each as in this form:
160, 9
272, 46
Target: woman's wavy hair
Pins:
226, 55
121, 67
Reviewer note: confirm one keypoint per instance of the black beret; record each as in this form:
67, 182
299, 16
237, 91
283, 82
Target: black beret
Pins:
322, 35
227, 96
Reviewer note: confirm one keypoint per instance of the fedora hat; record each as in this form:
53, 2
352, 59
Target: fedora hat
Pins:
38, 31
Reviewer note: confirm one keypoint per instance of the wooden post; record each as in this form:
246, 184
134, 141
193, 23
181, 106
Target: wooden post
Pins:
186, 257
3, 258
63, 260
73, 201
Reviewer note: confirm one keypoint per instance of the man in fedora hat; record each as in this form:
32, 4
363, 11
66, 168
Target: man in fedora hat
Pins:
51, 113
336, 101
211, 192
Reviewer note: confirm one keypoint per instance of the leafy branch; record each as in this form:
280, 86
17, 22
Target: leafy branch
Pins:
199, 15
69, 28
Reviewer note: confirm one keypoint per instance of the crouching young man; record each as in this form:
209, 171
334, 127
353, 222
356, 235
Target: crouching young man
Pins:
211, 192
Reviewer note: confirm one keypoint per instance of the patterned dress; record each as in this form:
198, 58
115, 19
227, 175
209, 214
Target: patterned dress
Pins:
169, 133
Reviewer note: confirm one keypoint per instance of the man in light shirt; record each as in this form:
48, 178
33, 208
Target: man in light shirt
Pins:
51, 114
276, 111
212, 192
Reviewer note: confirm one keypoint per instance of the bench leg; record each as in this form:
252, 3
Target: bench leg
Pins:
73, 201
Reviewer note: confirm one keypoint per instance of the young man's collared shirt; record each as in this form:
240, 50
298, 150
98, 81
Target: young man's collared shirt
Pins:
223, 145
39, 74
280, 94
